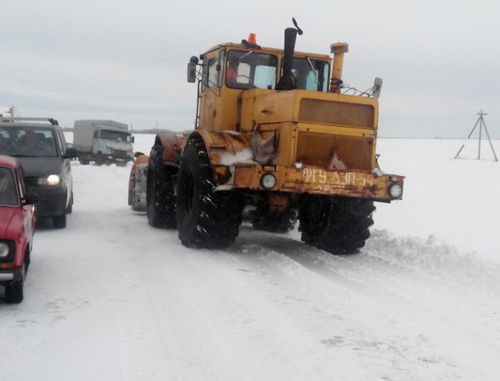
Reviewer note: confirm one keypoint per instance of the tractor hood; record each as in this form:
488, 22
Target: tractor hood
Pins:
260, 106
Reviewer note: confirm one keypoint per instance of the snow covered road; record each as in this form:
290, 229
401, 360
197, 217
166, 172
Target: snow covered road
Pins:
111, 298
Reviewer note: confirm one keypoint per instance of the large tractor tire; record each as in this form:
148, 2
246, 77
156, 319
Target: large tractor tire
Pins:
263, 218
206, 218
339, 225
160, 196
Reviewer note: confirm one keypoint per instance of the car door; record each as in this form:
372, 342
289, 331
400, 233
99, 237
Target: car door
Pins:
66, 167
29, 221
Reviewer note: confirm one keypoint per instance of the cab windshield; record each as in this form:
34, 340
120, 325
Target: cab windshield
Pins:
8, 193
310, 74
28, 142
116, 136
248, 69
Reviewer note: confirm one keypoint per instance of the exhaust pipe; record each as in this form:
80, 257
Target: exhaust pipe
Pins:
338, 49
286, 81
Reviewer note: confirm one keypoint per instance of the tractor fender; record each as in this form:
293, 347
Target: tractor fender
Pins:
170, 147
225, 147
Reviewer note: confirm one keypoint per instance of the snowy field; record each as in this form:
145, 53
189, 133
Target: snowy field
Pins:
110, 298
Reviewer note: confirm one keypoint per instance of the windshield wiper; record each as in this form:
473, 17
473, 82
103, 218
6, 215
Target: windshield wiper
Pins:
313, 70
245, 55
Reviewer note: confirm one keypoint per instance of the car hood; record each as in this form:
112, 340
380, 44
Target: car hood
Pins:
6, 216
41, 166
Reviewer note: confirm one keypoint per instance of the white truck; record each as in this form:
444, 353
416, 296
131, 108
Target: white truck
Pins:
102, 141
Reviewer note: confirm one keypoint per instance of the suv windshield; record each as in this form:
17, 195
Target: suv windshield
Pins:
248, 69
116, 136
8, 193
311, 74
27, 141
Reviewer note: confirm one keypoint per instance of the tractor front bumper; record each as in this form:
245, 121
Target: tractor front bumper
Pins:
362, 184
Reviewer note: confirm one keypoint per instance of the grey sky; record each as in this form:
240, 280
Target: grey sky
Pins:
126, 60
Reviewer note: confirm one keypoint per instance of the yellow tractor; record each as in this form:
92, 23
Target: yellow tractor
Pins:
277, 135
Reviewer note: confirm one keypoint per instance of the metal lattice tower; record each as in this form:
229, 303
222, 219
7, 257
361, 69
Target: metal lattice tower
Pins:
481, 123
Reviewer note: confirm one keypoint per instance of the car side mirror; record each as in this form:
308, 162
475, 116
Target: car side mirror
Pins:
70, 153
191, 69
31, 198
132, 139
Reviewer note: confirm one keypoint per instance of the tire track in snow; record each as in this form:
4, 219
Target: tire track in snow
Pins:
367, 276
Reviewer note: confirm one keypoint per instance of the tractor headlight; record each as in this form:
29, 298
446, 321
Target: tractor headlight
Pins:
6, 251
395, 190
51, 180
268, 181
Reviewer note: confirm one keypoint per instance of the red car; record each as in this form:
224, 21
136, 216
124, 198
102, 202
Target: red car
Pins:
17, 226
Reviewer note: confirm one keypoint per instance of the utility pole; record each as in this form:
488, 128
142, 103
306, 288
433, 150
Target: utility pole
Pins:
482, 124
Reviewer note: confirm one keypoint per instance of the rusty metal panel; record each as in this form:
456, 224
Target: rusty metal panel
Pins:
361, 184
317, 149
172, 146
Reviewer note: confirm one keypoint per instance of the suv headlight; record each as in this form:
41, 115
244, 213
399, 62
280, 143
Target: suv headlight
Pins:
51, 180
6, 251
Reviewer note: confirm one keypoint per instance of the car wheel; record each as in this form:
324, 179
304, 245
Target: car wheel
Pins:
99, 160
59, 221
14, 291
69, 208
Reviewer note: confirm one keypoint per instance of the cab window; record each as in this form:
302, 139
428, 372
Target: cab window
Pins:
248, 69
214, 75
311, 74
8, 191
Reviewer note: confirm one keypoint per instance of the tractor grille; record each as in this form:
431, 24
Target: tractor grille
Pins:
339, 113
317, 149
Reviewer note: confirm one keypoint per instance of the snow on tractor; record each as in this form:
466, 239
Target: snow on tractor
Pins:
276, 131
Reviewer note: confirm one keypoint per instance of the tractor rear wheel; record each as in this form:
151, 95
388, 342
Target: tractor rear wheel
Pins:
206, 218
339, 225
160, 197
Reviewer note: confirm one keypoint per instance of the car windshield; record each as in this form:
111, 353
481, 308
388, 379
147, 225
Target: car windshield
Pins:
311, 74
27, 141
248, 69
116, 136
8, 193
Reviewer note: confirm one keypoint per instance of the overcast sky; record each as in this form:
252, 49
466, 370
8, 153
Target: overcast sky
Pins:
126, 60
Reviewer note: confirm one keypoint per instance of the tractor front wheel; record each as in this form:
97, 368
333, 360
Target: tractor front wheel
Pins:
339, 225
206, 218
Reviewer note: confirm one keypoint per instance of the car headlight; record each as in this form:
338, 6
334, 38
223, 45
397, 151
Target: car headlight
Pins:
49, 180
6, 251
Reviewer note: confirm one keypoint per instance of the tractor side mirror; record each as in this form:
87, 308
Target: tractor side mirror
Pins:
377, 87
191, 69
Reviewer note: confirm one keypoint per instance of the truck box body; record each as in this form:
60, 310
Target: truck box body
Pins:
84, 130
102, 141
